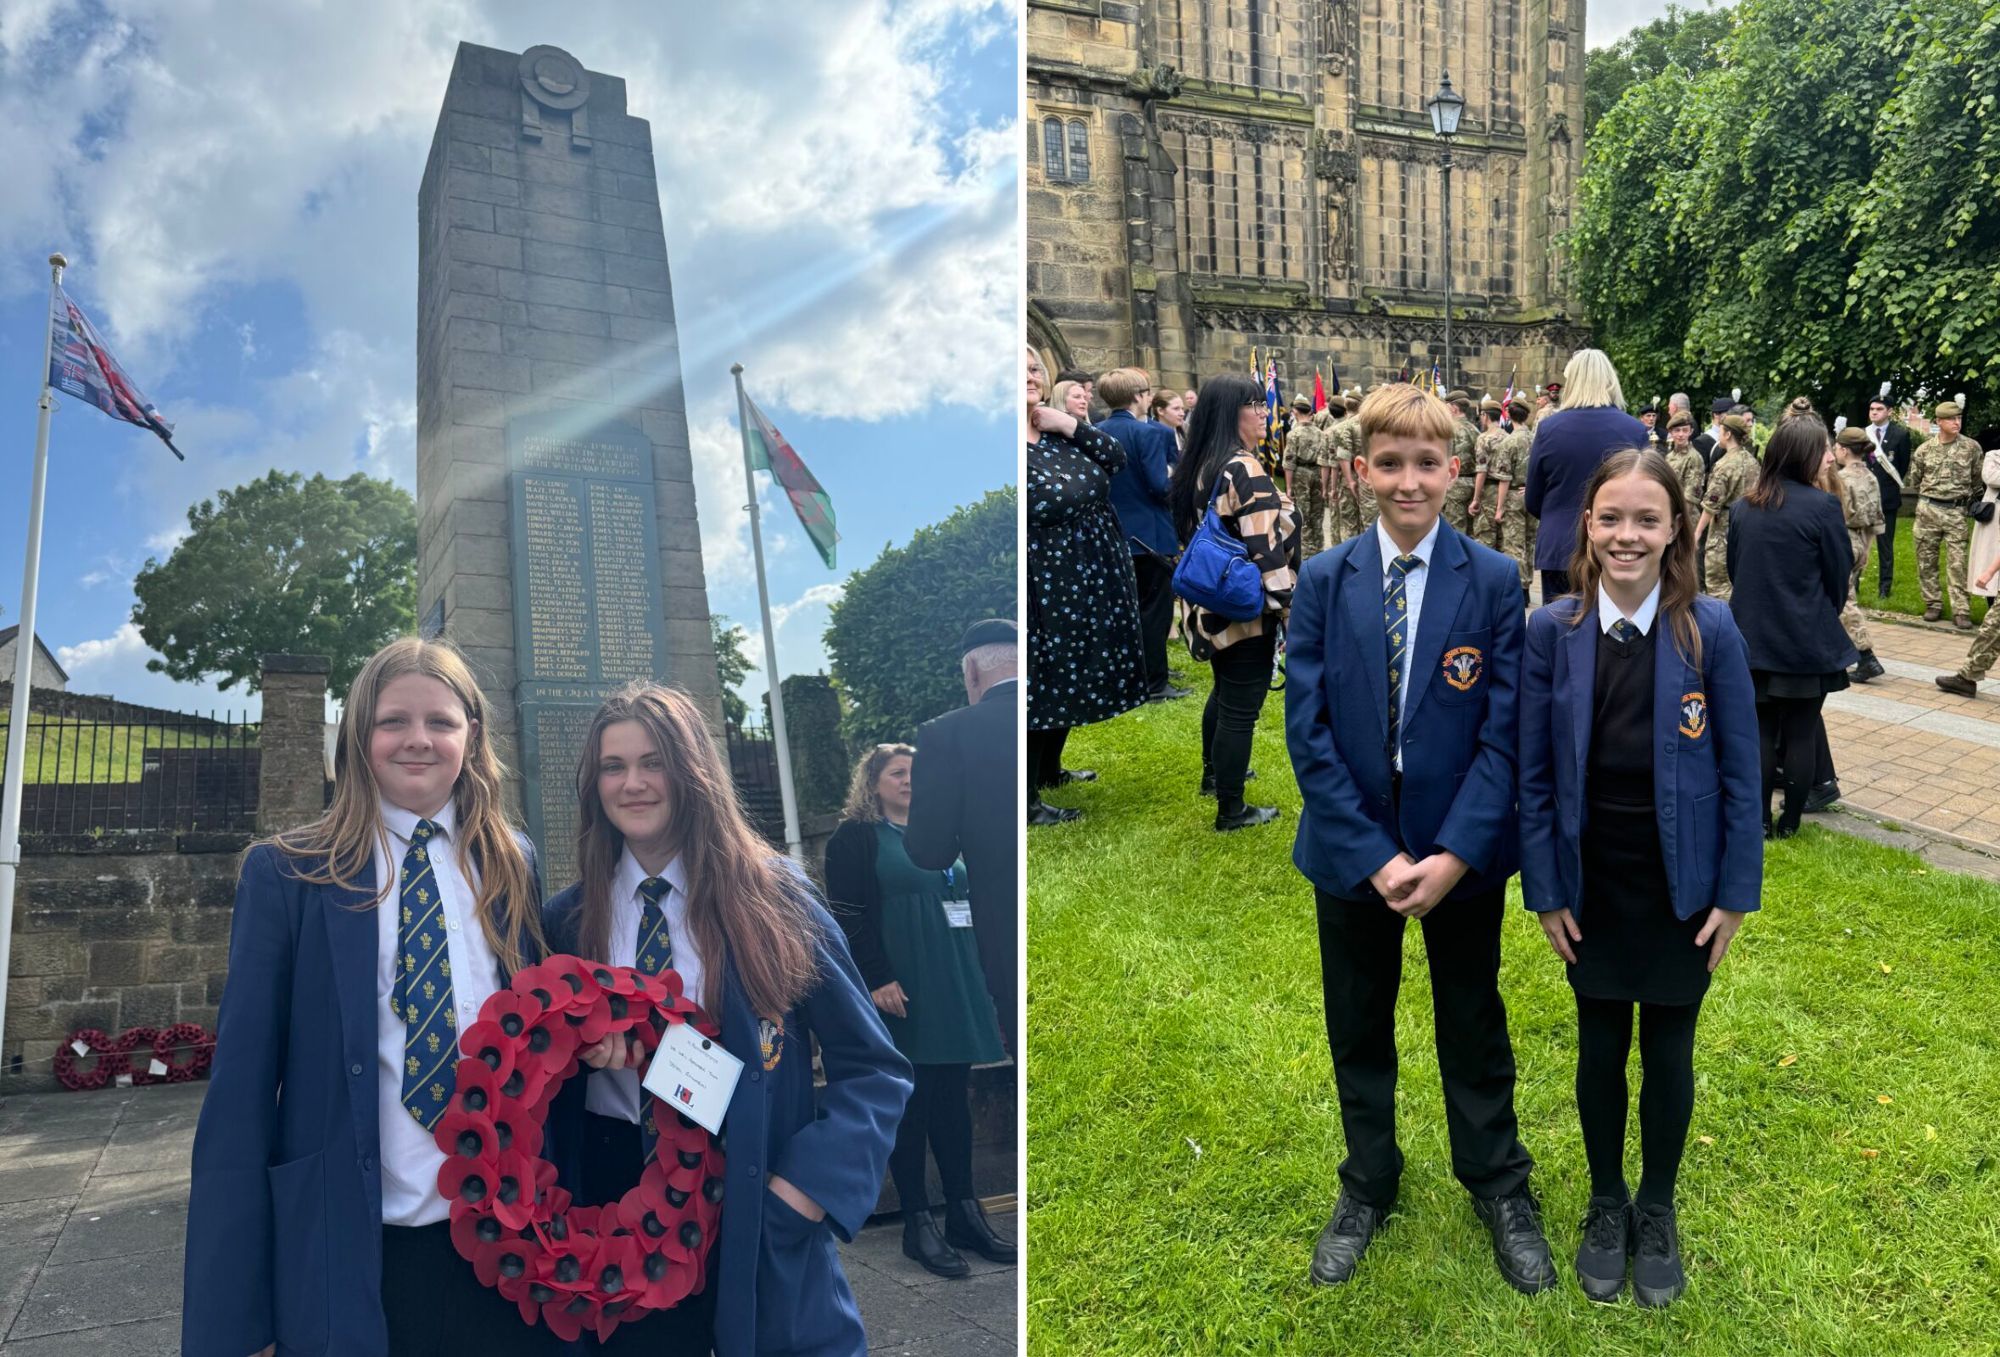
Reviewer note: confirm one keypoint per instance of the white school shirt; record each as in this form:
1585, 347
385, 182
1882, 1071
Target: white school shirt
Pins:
1608, 612
410, 1158
615, 1093
1413, 603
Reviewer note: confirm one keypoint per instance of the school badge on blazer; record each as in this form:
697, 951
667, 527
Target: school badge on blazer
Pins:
1694, 715
1462, 667
771, 1041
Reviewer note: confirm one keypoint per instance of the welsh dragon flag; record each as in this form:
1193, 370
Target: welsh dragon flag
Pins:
770, 452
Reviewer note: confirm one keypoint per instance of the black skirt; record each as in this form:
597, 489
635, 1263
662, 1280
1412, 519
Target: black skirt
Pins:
1634, 950
1796, 687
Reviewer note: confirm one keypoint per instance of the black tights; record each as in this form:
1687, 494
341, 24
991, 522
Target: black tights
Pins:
1045, 751
1791, 731
938, 1111
1242, 682
1666, 1093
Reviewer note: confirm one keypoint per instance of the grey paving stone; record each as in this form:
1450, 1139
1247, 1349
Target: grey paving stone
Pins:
990, 1301
154, 1149
27, 1229
32, 1171
894, 1313
146, 1338
108, 1291
964, 1343
125, 1214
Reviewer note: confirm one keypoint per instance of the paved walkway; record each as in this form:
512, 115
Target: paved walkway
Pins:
93, 1207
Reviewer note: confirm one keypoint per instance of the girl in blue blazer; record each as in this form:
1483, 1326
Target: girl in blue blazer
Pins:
361, 945
1642, 844
672, 875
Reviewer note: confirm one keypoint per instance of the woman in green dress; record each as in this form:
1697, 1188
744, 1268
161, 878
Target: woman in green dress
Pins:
911, 934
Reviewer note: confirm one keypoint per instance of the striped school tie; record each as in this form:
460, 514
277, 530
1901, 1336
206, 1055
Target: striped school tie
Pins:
655, 954
1623, 631
1395, 621
423, 987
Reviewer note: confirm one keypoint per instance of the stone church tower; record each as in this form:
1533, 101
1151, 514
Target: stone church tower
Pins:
1209, 175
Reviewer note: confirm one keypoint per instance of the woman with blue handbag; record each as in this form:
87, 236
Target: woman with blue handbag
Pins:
1221, 495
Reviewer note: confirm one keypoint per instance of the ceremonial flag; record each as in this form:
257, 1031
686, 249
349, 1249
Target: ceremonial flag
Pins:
1319, 392
80, 366
1267, 450
770, 452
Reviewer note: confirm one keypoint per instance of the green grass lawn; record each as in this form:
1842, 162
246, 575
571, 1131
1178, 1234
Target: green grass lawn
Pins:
1184, 1132
1903, 595
100, 752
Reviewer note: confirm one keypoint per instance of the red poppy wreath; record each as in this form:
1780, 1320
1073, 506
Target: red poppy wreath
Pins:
109, 1063
573, 1267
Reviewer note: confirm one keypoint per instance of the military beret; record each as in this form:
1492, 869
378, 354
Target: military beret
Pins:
1458, 393
991, 631
1851, 437
1739, 426
1490, 405
1302, 403
1351, 401
1947, 410
1681, 420
1721, 405
1650, 408
1520, 404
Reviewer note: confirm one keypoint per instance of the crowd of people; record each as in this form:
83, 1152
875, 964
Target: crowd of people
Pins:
1699, 604
363, 944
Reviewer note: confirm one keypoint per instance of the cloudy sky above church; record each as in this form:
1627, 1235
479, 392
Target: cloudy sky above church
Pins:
235, 186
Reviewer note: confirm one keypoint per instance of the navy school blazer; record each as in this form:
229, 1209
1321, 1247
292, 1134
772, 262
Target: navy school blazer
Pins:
1706, 771
284, 1232
1458, 724
780, 1287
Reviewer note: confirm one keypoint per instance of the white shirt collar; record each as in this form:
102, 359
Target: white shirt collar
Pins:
1608, 613
630, 874
403, 823
1390, 551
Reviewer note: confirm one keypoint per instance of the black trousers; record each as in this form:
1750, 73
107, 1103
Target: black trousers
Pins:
1154, 576
1790, 729
1242, 682
1361, 968
939, 1112
1885, 548
1045, 751
1555, 583
611, 1168
1666, 1093
437, 1308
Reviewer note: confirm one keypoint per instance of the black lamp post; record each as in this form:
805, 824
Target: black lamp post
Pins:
1445, 108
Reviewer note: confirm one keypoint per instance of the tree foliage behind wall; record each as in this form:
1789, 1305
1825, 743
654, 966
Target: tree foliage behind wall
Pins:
1816, 212
894, 634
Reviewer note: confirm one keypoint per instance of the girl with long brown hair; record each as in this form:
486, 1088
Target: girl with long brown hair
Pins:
1641, 849
672, 875
360, 947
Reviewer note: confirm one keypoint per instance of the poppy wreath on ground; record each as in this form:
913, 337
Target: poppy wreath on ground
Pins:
185, 1049
107, 1064
574, 1267
134, 1039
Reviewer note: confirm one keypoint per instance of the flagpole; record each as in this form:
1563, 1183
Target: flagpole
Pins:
24, 659
794, 842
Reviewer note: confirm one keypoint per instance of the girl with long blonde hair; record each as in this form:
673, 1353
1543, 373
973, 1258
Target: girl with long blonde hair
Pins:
361, 945
673, 876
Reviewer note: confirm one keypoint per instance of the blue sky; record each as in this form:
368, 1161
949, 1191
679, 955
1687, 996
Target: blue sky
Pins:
238, 202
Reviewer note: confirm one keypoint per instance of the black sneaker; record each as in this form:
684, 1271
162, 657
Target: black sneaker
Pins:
1607, 1245
1823, 797
1519, 1246
1167, 692
1867, 667
1344, 1240
1657, 1278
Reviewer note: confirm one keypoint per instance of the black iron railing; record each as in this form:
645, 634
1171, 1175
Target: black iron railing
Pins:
138, 770
753, 763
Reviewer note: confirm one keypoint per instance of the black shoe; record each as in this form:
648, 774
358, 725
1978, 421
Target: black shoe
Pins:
1657, 1277
1787, 823
1244, 817
1607, 1246
1519, 1246
1884, 591
1208, 779
1957, 683
1041, 813
1070, 775
1166, 692
922, 1242
965, 1226
1867, 668
1933, 611
1344, 1240
1823, 797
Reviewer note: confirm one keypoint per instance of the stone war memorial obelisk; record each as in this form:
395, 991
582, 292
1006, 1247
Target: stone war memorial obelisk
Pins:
557, 538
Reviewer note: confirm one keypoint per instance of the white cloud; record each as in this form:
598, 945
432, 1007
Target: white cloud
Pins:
118, 647
818, 596
94, 578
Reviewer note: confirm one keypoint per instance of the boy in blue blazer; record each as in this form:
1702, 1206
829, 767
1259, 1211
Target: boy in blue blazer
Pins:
1403, 660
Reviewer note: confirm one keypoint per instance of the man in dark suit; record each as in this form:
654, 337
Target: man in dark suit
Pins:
1139, 498
965, 801
1889, 459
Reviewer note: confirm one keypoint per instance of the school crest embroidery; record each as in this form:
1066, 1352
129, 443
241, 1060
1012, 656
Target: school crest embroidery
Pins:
1462, 667
771, 1041
1694, 715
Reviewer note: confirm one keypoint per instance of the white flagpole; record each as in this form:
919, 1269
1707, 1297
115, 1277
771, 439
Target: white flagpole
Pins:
24, 660
794, 842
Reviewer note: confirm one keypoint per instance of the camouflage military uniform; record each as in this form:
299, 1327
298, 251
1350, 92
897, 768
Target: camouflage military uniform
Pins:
1482, 465
1733, 474
1509, 466
1693, 474
1458, 496
1861, 505
1307, 447
1943, 476
1358, 510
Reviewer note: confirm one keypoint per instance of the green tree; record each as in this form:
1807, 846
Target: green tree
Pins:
732, 666
1685, 37
316, 566
893, 637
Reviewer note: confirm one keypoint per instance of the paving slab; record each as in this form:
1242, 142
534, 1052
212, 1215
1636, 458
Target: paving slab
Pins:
143, 1338
124, 1214
101, 1294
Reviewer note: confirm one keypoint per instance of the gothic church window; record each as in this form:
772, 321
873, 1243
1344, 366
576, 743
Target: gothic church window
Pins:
1065, 151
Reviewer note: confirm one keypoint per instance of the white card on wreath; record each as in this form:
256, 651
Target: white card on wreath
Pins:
693, 1075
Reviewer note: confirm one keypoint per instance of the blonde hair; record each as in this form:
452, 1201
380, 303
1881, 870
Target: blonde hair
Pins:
337, 847
863, 801
1058, 398
741, 908
1591, 380
1401, 410
1121, 386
